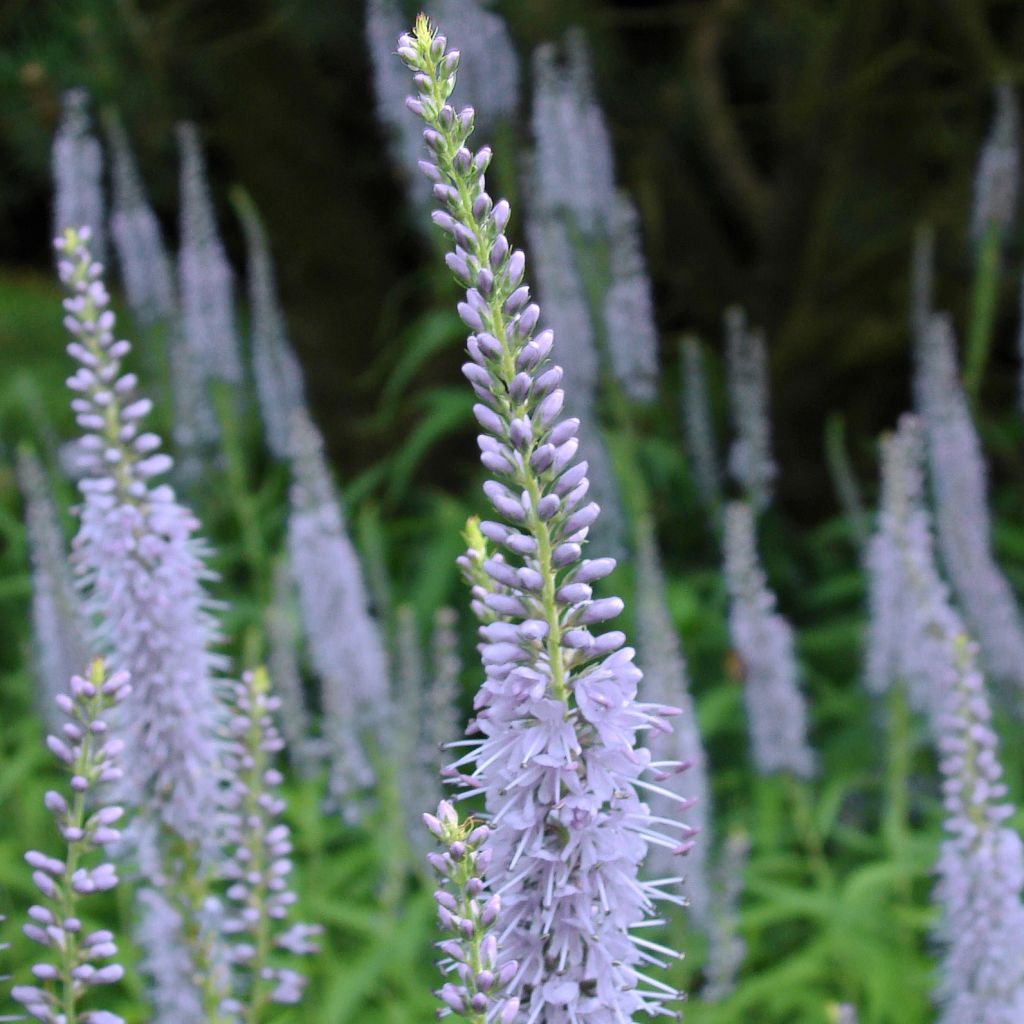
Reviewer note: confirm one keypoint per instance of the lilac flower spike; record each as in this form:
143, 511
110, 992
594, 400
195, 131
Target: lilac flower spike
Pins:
79, 962
258, 865
698, 427
344, 639
666, 681
997, 181
558, 762
78, 171
961, 507
141, 568
204, 275
629, 307
280, 387
467, 914
750, 458
145, 265
763, 639
58, 627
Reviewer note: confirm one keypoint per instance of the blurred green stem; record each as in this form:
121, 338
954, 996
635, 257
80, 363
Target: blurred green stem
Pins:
983, 309
896, 812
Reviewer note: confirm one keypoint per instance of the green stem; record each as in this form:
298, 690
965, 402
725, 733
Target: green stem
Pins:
896, 814
983, 308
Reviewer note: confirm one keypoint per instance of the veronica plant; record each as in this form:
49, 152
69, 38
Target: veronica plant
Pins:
468, 915
763, 639
558, 762
58, 628
77, 164
142, 571
961, 507
259, 861
79, 960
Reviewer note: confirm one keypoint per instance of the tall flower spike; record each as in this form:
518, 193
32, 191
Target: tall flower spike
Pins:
145, 266
750, 458
489, 69
575, 169
343, 638
666, 682
204, 275
58, 628
77, 163
961, 508
304, 751
280, 387
78, 962
698, 427
384, 21
259, 859
558, 762
726, 948
981, 864
468, 915
629, 307
763, 639
997, 181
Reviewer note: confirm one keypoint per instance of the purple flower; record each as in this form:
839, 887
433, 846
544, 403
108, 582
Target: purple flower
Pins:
467, 914
763, 639
260, 848
963, 523
750, 459
79, 960
279, 382
77, 163
558, 760
343, 638
138, 239
58, 627
997, 181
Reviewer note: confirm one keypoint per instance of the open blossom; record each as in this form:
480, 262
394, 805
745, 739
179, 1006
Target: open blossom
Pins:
77, 164
997, 181
763, 639
59, 631
145, 266
751, 463
280, 387
77, 961
343, 637
666, 682
698, 427
963, 523
559, 759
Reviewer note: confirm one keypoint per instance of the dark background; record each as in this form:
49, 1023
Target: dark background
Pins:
781, 154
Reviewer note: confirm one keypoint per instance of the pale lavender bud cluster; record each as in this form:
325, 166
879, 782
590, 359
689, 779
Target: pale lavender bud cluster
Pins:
763, 640
166, 961
385, 20
58, 627
558, 760
631, 332
141, 568
145, 266
79, 959
726, 948
260, 847
698, 427
997, 180
961, 508
467, 913
488, 70
304, 750
575, 172
981, 864
77, 164
280, 387
666, 682
343, 638
751, 463
204, 275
